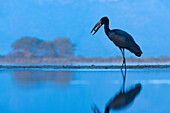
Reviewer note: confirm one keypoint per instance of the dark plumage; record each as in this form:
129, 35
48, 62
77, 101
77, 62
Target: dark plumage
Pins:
120, 38
123, 40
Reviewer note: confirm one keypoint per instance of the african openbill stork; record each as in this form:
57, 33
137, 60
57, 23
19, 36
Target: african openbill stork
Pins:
120, 38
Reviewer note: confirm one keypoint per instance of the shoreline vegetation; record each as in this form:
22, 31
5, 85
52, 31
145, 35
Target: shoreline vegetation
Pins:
67, 60
68, 63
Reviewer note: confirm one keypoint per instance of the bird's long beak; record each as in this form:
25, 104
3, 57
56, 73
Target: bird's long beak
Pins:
95, 109
96, 27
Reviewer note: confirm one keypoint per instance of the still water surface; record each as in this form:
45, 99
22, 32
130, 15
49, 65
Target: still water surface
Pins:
76, 91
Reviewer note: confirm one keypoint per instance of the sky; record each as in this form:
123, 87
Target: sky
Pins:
148, 21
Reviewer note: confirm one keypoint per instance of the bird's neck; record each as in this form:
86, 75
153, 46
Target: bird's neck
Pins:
106, 28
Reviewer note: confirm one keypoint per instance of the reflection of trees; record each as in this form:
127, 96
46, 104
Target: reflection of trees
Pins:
34, 77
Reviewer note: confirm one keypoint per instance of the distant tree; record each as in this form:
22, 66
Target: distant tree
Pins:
64, 47
33, 47
26, 43
25, 46
46, 49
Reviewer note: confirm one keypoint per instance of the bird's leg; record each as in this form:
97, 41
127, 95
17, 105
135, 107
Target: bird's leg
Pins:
123, 74
122, 63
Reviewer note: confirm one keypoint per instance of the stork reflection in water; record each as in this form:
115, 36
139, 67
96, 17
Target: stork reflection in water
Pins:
122, 99
120, 38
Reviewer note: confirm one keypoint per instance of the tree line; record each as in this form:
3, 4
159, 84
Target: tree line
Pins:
34, 47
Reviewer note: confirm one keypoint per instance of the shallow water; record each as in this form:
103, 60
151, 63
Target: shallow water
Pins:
75, 91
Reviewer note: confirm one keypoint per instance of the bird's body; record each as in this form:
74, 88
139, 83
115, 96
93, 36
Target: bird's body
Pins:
124, 40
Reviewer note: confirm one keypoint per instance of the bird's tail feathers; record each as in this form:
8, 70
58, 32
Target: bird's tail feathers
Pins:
136, 50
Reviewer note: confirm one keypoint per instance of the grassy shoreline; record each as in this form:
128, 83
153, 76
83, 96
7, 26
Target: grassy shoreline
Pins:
82, 60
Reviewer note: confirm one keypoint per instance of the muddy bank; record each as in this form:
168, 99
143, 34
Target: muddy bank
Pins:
82, 67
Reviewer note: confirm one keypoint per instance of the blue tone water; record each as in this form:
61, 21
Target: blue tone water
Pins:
75, 91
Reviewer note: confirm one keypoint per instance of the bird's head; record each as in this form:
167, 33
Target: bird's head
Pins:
102, 21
